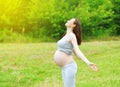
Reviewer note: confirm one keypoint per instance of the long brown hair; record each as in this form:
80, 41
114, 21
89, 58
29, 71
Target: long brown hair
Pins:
77, 30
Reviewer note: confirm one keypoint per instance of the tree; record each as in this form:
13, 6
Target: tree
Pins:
116, 17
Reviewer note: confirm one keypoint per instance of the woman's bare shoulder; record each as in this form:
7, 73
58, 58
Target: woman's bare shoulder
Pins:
72, 37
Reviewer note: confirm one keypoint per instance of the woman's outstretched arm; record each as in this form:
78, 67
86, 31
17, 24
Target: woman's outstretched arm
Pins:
79, 53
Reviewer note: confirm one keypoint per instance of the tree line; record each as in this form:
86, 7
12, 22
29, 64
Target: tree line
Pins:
45, 19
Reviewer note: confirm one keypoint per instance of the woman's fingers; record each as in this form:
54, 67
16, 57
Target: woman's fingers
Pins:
93, 67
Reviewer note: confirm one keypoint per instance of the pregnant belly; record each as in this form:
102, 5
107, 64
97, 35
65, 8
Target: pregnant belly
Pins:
62, 58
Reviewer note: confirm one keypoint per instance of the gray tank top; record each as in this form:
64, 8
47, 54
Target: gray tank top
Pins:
65, 46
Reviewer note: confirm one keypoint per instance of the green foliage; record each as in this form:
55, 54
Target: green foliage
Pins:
46, 18
10, 36
116, 17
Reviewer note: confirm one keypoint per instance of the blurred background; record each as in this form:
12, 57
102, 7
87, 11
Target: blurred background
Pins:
27, 62
44, 20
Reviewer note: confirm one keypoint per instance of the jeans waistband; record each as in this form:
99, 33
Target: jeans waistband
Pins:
73, 63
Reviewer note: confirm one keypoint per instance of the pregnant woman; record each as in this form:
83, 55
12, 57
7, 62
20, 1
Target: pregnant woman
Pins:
63, 55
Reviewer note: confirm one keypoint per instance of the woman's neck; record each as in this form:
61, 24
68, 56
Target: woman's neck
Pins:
69, 30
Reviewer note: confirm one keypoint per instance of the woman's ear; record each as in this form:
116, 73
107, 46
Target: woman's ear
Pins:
74, 25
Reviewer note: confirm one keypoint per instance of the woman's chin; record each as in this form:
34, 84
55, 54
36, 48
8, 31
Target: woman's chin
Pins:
66, 25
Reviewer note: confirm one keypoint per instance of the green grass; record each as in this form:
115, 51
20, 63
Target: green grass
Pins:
32, 65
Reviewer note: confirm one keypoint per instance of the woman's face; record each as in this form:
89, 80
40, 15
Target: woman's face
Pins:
70, 23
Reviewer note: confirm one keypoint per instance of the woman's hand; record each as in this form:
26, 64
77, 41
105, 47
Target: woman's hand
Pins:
93, 67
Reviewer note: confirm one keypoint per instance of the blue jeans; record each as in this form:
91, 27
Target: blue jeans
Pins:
68, 74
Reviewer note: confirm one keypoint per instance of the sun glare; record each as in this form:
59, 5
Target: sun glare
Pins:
8, 6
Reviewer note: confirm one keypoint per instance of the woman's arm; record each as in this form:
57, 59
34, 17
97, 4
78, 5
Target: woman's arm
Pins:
77, 51
80, 54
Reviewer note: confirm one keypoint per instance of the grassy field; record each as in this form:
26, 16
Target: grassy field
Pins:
32, 65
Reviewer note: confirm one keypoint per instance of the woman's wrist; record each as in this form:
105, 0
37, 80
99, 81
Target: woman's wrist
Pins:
89, 63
